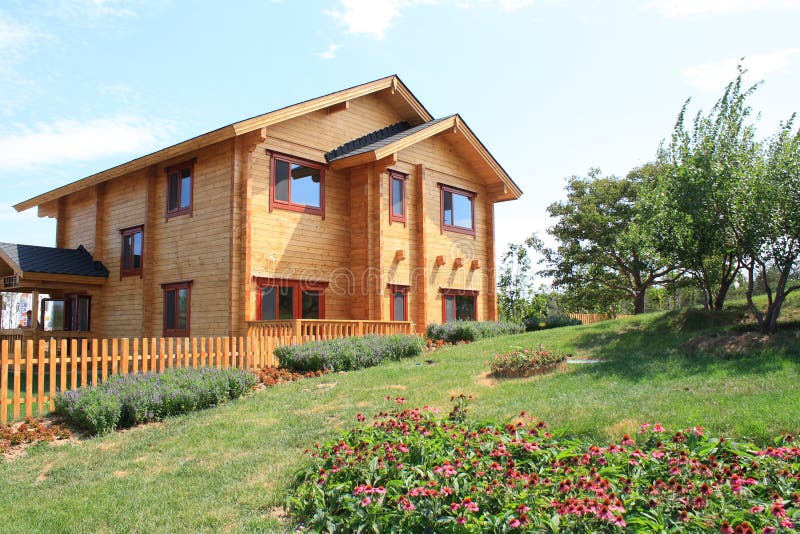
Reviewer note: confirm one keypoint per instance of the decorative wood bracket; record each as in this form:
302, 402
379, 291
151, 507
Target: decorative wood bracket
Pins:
459, 263
399, 255
336, 108
475, 265
439, 261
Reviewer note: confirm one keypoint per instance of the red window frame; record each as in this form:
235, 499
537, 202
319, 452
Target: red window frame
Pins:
70, 319
452, 293
180, 211
458, 191
125, 234
291, 206
394, 289
401, 177
298, 287
178, 332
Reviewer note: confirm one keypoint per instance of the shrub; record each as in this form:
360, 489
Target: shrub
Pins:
410, 472
123, 401
348, 354
538, 322
456, 331
525, 362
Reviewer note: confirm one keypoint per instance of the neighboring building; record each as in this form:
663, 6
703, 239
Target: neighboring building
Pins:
354, 205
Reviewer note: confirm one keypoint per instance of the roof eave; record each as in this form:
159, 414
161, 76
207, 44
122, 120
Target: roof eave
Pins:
392, 82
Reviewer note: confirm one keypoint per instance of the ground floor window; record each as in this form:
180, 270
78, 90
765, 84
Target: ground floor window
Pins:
280, 300
398, 307
459, 305
71, 313
177, 309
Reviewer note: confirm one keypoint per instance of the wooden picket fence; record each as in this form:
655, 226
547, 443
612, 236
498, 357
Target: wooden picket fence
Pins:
50, 366
591, 318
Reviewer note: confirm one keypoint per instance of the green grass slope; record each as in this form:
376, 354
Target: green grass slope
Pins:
227, 468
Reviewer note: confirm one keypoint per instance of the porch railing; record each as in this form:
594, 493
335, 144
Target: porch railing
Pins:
304, 330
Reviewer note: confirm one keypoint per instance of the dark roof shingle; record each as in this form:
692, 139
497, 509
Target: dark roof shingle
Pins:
377, 139
49, 260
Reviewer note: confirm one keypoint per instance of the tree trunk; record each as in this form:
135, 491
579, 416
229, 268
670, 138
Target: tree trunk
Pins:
722, 292
638, 302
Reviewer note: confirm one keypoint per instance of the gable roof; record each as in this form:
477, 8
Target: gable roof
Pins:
383, 143
50, 260
232, 130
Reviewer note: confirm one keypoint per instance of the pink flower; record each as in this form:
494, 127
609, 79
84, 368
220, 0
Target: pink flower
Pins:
514, 523
365, 501
756, 509
658, 428
461, 520
360, 418
787, 524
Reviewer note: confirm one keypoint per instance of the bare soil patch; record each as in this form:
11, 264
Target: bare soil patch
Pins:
728, 343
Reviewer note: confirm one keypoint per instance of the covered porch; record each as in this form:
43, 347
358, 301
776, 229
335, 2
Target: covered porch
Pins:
66, 276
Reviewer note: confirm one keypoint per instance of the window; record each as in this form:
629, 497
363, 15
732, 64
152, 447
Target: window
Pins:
280, 300
297, 185
459, 305
458, 210
179, 189
399, 302
397, 197
131, 262
72, 313
177, 309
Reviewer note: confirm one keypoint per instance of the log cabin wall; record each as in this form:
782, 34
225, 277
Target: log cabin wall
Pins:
287, 244
192, 247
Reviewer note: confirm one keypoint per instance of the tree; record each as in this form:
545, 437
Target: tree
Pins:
767, 223
699, 178
603, 242
513, 284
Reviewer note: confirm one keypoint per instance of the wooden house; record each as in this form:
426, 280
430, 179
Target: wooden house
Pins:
357, 205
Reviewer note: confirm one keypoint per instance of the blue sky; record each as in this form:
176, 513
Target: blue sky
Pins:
551, 87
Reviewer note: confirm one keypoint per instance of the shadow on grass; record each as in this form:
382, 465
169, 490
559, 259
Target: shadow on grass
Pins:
644, 348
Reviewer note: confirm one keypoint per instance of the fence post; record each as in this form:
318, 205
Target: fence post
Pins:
3, 382
297, 333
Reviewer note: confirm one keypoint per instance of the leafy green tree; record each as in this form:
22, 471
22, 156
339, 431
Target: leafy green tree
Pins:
513, 284
767, 223
696, 186
604, 252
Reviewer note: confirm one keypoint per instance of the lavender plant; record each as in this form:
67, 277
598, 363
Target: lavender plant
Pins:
348, 354
124, 401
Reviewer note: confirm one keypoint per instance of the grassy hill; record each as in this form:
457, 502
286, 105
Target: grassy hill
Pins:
227, 468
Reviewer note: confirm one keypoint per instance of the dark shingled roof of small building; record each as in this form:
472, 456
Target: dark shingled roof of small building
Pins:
377, 139
50, 260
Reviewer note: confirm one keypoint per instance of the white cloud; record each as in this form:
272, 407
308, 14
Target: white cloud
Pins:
330, 52
70, 140
714, 76
686, 8
375, 17
16, 39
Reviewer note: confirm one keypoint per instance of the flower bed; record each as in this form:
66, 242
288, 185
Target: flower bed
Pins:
456, 331
410, 472
123, 401
31, 431
348, 354
272, 376
527, 362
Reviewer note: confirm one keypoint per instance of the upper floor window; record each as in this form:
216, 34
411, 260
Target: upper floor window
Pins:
459, 305
177, 309
458, 210
179, 189
297, 185
131, 260
397, 197
280, 300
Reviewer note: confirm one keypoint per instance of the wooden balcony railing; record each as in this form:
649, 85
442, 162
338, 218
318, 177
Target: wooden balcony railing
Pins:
304, 330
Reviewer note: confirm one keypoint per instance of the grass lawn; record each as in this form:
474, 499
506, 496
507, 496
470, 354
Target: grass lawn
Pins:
226, 468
